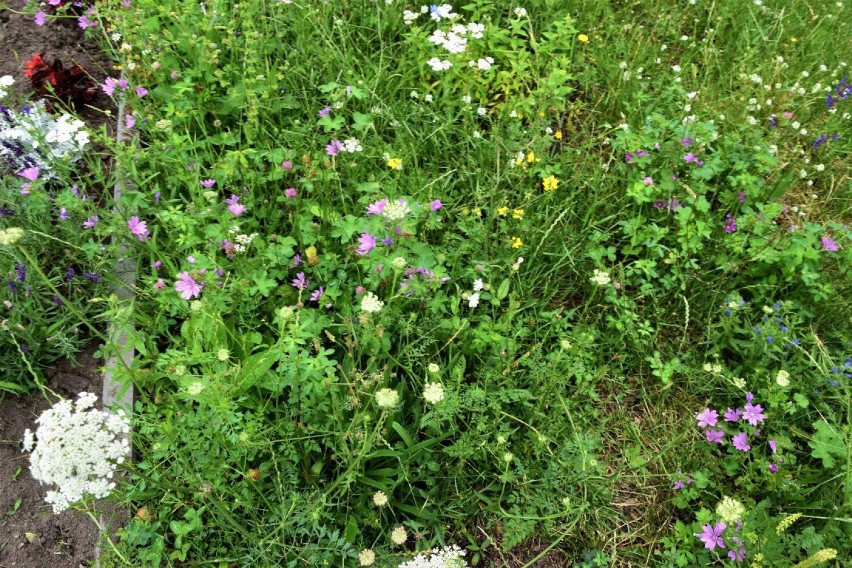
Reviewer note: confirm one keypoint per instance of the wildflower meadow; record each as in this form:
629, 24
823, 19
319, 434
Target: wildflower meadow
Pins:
547, 283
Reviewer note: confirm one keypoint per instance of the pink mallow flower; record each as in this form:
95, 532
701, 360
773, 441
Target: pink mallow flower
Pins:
377, 207
208, 183
829, 244
707, 417
138, 228
141, 92
740, 442
159, 284
187, 286
436, 205
367, 243
753, 414
40, 18
334, 147
30, 174
712, 536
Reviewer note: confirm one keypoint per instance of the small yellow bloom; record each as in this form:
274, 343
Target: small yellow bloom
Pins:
550, 183
477, 212
583, 38
395, 163
531, 157
517, 214
541, 113
517, 242
558, 135
794, 40
502, 211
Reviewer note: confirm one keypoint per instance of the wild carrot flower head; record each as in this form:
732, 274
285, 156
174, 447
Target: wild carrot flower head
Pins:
77, 449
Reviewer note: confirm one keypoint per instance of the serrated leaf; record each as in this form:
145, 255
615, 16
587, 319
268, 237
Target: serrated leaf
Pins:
827, 444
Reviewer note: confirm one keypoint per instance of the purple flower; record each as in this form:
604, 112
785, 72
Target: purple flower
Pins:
141, 92
92, 276
367, 243
40, 18
740, 442
324, 111
20, 272
741, 196
300, 282
290, 193
436, 205
157, 265
191, 259
686, 141
690, 157
714, 436
732, 415
712, 536
187, 286
730, 224
129, 121
648, 180
773, 468
376, 208
773, 446
233, 200
85, 22
208, 183
749, 395
753, 414
287, 165
737, 555
707, 417
30, 174
69, 275
157, 197
387, 241
678, 485
317, 294
829, 244
237, 209
138, 228
109, 86
334, 147
58, 301
63, 214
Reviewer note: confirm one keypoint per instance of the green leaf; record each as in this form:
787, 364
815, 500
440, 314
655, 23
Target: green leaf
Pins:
503, 290
827, 444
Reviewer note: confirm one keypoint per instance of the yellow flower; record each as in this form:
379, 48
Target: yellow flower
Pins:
550, 183
558, 135
517, 214
395, 163
502, 211
517, 242
583, 38
531, 157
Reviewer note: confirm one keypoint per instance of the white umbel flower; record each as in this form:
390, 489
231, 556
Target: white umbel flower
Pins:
370, 303
387, 398
600, 277
77, 449
433, 393
449, 557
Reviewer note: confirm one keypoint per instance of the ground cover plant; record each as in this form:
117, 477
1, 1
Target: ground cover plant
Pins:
418, 285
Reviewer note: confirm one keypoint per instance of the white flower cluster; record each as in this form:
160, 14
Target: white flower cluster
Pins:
352, 145
33, 138
370, 303
396, 211
449, 557
242, 240
600, 277
483, 64
6, 81
77, 449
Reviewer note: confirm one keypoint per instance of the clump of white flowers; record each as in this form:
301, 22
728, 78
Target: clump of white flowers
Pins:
77, 448
370, 303
34, 138
6, 81
387, 398
600, 277
433, 393
449, 557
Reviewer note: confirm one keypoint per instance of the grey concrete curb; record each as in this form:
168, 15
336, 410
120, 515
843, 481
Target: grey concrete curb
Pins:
115, 394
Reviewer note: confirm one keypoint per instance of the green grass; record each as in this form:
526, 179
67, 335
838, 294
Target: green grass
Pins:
569, 406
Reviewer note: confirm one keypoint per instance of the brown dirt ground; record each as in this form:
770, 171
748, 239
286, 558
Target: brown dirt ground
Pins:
20, 39
61, 541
